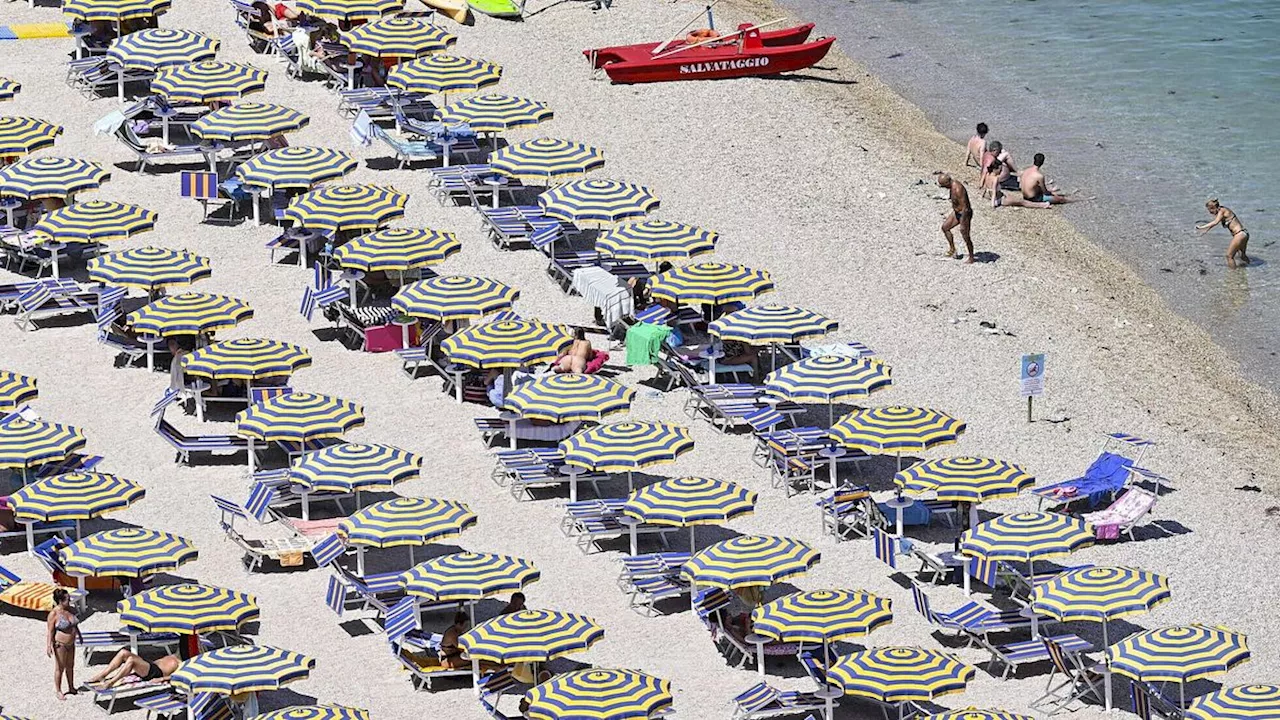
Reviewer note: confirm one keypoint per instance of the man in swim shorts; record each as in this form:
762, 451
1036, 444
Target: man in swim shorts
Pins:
961, 215
1036, 189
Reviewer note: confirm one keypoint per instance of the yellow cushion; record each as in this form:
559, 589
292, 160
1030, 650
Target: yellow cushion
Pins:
39, 30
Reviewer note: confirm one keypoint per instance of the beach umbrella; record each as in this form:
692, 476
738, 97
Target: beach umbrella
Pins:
507, 344
397, 37
127, 552
623, 447
295, 167
495, 113
771, 325
314, 712
148, 268
246, 359
72, 496
349, 10
900, 675
248, 121
207, 82
597, 203
976, 714
22, 135
299, 417
896, 430
529, 636
404, 522
820, 616
468, 577
95, 221
1243, 702
654, 240
15, 390
1026, 537
9, 88
189, 314
187, 609
454, 297
50, 177
27, 443
750, 561
599, 694
569, 397
154, 48
710, 284
970, 480
113, 10
240, 669
397, 250
1178, 654
352, 467
829, 379
544, 161
334, 208
688, 502
443, 74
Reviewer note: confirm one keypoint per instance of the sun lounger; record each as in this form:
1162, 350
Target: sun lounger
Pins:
145, 153
1149, 699
287, 552
1011, 656
1123, 515
1020, 585
971, 619
1105, 476
46, 300
110, 641
650, 565
1081, 679
202, 706
10, 528
748, 652
414, 359
131, 689
845, 511
763, 701
512, 461
524, 480
186, 445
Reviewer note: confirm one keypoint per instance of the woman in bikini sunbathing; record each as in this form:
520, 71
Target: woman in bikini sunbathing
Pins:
127, 663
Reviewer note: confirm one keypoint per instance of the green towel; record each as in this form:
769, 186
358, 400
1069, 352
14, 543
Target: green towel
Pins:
644, 342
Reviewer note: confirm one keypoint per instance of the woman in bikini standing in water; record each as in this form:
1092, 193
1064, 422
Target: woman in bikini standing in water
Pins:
1239, 236
64, 631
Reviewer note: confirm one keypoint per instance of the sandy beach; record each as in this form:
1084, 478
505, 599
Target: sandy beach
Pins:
823, 178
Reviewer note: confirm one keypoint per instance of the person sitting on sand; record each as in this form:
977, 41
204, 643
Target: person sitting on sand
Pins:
450, 653
580, 353
1033, 191
127, 663
1239, 236
961, 215
976, 148
998, 170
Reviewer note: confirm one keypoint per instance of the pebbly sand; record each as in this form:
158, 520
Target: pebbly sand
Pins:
822, 178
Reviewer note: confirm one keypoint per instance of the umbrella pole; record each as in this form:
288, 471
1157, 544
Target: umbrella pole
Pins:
635, 540
411, 560
31, 537
306, 506
630, 484
973, 515
251, 457
693, 545
1035, 624
360, 560
831, 412
77, 529
1106, 662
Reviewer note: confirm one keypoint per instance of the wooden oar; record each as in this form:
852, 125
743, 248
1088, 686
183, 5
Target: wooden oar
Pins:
722, 38
678, 33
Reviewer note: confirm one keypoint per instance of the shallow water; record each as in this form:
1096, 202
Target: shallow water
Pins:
1151, 107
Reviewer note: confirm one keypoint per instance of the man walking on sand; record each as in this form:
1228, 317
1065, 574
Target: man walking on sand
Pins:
961, 214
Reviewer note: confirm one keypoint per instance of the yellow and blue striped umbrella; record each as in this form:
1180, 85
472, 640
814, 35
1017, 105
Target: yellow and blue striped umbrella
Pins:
238, 669
1179, 654
1027, 536
750, 560
74, 496
155, 48
26, 443
9, 88
821, 616
828, 378
973, 713
569, 397
208, 82
688, 501
468, 576
127, 552
397, 37
295, 167
508, 344
248, 121
1242, 702
95, 221
113, 10
348, 10
246, 359
597, 203
187, 609
15, 390
50, 177
597, 694
495, 113
298, 417
1100, 594
710, 283
965, 479
398, 249
335, 208
653, 240
149, 268
22, 135
764, 324
626, 446
900, 674
530, 636
896, 429
454, 297
351, 467
406, 521
546, 160
314, 712
189, 314
443, 74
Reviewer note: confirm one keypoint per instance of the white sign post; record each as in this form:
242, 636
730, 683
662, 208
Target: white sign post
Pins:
1032, 379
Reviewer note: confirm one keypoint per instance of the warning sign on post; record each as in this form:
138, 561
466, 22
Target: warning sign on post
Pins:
1033, 375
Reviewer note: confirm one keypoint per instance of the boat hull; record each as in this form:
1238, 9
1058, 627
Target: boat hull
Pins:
758, 54
456, 10
496, 8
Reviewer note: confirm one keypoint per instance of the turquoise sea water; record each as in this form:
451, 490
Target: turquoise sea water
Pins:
1152, 107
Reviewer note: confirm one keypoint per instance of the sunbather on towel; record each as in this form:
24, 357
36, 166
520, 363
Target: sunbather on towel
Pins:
127, 663
575, 361
450, 653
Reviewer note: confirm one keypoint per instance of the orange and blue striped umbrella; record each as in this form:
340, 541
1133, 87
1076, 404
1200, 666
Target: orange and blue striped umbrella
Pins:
406, 521
900, 674
187, 609
443, 74
296, 166
626, 446
352, 467
155, 48
546, 160
246, 359
189, 314
398, 249
495, 113
1243, 702
454, 297
397, 37
95, 221
569, 397
468, 576
208, 82
710, 284
597, 694
298, 417
16, 390
127, 552
750, 561
530, 636
248, 121
239, 669
50, 177
22, 135
507, 344
597, 203
149, 268
348, 10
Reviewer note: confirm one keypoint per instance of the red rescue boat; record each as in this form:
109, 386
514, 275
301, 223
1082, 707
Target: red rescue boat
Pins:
746, 53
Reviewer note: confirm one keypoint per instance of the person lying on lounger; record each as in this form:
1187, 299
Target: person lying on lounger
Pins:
580, 353
127, 663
